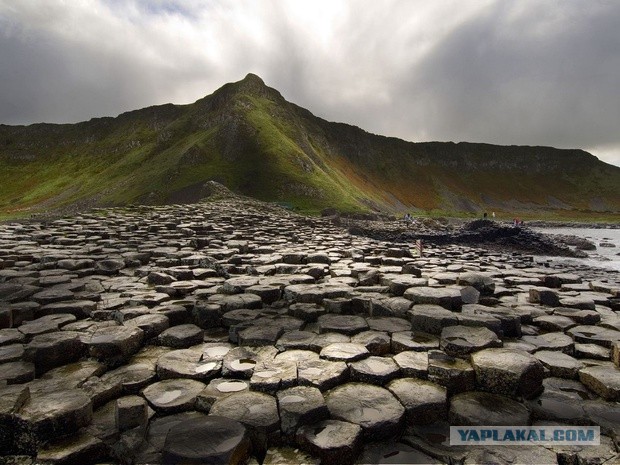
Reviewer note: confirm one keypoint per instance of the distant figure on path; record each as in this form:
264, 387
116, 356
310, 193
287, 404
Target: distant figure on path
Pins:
493, 215
419, 247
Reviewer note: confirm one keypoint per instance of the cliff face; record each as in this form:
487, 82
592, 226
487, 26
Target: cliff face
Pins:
248, 137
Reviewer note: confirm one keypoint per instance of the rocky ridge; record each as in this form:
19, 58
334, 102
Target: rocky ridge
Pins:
234, 331
247, 136
494, 235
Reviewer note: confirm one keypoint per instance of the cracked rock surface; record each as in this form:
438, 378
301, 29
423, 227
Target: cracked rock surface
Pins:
233, 331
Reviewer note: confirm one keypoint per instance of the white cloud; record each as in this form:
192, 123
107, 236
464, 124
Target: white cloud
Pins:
609, 154
499, 71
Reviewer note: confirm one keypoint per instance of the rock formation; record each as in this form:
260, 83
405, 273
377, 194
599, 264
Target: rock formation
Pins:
232, 331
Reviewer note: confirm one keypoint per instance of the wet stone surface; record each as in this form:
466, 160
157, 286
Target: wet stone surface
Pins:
209, 439
460, 341
508, 372
132, 335
374, 370
373, 408
424, 402
332, 441
344, 352
485, 409
301, 405
173, 395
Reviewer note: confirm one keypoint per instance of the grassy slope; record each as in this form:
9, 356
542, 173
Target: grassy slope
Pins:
438, 176
249, 138
103, 160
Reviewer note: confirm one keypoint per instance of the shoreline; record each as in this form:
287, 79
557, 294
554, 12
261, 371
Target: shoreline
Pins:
572, 224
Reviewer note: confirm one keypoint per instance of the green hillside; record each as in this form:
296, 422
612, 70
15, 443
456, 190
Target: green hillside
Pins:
246, 136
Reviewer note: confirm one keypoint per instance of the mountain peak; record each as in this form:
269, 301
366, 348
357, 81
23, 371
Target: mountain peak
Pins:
252, 78
253, 84
246, 136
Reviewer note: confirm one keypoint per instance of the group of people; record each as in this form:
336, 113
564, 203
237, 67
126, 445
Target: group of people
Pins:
515, 221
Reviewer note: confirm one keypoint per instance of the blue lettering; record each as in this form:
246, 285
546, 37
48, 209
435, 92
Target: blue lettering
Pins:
463, 434
571, 435
558, 435
587, 435
543, 435
532, 435
473, 436
508, 435
486, 434
520, 435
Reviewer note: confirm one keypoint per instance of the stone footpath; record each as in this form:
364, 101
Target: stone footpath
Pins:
234, 331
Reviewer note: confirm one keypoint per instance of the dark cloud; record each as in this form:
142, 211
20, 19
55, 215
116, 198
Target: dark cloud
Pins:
498, 71
543, 75
60, 81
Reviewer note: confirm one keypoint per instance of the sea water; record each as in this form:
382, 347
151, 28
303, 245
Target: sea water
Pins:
602, 257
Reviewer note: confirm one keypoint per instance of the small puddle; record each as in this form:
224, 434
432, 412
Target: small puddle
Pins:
216, 352
292, 399
370, 414
210, 366
170, 396
231, 386
243, 364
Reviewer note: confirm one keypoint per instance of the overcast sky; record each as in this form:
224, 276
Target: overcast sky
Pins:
527, 72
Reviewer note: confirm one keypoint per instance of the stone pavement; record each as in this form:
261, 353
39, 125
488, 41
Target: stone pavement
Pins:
234, 331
